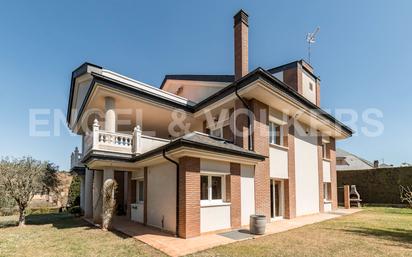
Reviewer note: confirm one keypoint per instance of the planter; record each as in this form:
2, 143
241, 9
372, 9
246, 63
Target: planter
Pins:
257, 224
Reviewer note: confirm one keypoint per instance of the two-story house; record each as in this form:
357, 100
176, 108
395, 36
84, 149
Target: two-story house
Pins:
204, 152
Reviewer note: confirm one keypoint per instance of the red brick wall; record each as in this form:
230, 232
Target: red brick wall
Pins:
235, 207
189, 197
145, 177
241, 124
320, 169
241, 50
332, 154
260, 137
290, 184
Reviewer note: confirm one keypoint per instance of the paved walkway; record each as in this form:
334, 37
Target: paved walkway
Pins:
175, 246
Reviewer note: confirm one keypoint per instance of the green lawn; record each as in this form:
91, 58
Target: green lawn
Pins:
372, 232
63, 235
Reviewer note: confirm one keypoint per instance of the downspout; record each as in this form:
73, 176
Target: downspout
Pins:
249, 123
177, 189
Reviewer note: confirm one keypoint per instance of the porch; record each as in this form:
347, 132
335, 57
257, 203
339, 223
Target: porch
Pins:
175, 246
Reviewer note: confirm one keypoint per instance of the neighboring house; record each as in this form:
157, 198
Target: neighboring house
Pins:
405, 164
349, 161
199, 169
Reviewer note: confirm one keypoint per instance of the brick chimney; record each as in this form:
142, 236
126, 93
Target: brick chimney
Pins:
241, 28
376, 164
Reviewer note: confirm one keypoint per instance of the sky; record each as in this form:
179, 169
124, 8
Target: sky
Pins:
362, 54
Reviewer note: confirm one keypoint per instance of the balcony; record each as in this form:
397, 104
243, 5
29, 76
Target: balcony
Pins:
133, 143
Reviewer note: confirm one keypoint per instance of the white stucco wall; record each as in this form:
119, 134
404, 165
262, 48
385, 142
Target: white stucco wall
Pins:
306, 168
214, 218
161, 196
247, 193
309, 94
278, 163
326, 171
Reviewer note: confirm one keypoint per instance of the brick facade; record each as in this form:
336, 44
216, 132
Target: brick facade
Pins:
235, 207
145, 182
320, 173
260, 135
241, 31
189, 197
332, 154
290, 183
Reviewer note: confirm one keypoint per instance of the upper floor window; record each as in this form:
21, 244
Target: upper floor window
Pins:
217, 132
310, 86
275, 134
325, 151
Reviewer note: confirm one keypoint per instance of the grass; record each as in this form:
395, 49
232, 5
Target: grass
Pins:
63, 235
372, 232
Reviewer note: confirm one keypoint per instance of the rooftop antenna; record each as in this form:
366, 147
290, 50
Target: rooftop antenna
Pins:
310, 38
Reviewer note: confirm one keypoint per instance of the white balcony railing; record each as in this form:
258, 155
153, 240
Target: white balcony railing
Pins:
134, 143
76, 157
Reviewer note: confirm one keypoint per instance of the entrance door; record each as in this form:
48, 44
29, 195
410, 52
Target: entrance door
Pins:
276, 198
137, 211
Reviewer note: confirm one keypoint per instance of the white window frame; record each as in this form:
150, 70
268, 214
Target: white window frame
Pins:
220, 129
324, 147
272, 140
211, 201
326, 196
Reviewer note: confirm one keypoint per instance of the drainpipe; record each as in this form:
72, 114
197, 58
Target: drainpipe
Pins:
177, 189
249, 123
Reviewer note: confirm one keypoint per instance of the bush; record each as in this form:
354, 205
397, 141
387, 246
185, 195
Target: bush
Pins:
74, 192
76, 210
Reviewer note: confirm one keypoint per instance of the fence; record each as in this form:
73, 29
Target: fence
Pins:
377, 186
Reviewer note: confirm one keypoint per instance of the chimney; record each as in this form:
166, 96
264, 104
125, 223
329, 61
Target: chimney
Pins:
376, 164
241, 27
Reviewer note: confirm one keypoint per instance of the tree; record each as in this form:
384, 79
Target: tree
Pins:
22, 178
74, 192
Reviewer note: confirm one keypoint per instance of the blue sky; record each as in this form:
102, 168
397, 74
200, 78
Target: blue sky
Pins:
363, 55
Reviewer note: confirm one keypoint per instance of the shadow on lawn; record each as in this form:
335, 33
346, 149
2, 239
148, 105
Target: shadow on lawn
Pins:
396, 235
65, 221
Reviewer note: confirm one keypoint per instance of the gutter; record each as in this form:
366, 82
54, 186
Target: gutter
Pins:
177, 188
249, 124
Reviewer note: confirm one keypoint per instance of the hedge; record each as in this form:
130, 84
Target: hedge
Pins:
377, 186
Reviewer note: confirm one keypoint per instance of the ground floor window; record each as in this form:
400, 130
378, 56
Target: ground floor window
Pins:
211, 189
327, 191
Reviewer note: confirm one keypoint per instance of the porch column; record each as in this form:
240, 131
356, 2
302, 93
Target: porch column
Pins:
333, 176
88, 194
290, 183
82, 193
235, 195
97, 196
189, 197
110, 115
320, 173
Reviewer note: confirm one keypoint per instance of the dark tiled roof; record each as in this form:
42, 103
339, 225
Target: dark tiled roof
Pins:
209, 78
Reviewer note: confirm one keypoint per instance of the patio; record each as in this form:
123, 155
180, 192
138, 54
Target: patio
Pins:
175, 246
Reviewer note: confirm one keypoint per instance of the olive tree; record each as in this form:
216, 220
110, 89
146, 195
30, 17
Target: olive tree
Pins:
21, 178
406, 194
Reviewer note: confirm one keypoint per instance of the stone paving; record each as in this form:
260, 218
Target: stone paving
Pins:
174, 246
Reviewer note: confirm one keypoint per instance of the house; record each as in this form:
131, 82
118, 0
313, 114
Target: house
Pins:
350, 161
204, 152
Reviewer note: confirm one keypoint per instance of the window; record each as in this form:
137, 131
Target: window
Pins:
310, 86
327, 191
217, 132
324, 151
275, 134
140, 191
211, 189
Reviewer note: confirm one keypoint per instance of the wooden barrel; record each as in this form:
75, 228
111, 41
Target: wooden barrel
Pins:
257, 224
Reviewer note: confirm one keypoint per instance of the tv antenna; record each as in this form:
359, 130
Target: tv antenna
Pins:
311, 39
